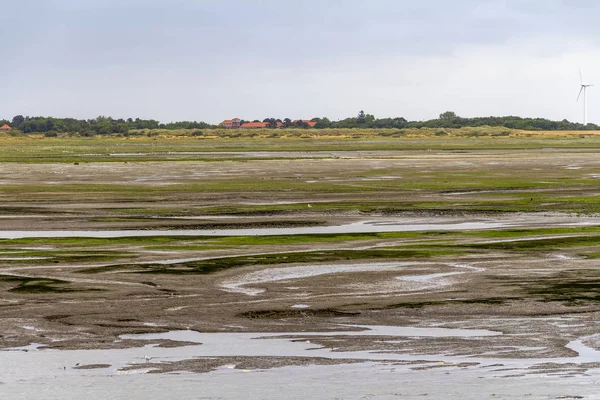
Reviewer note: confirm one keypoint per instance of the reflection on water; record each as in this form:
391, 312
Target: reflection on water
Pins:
52, 373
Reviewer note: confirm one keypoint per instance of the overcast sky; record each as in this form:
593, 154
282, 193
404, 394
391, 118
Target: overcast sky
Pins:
214, 59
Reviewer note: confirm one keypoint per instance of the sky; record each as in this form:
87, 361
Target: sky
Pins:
209, 60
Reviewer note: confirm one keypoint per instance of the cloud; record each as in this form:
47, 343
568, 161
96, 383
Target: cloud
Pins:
208, 60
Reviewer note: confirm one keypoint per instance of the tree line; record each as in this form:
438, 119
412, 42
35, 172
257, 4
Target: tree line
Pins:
449, 119
106, 125
283, 123
97, 126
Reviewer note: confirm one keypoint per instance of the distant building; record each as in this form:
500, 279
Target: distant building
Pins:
236, 123
231, 123
5, 127
306, 121
254, 125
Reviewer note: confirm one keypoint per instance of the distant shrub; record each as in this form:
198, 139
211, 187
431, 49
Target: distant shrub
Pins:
441, 133
198, 133
51, 134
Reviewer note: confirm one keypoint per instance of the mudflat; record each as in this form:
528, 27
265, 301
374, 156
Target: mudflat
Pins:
507, 241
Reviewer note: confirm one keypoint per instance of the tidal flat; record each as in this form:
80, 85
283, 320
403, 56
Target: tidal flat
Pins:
400, 260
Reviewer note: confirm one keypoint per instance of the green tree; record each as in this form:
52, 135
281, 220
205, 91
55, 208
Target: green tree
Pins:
448, 116
322, 123
49, 125
271, 122
18, 121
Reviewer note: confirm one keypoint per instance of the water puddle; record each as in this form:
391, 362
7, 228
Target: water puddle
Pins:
230, 154
299, 345
563, 257
285, 344
356, 227
364, 330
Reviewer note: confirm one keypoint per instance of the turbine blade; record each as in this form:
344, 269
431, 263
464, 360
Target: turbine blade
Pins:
580, 90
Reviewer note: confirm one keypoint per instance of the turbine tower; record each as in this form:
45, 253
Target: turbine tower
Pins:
583, 90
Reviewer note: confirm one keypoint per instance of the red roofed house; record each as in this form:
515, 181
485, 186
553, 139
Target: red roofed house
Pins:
306, 121
5, 127
254, 125
231, 123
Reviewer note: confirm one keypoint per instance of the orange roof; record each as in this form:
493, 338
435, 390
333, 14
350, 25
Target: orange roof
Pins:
229, 121
254, 125
5, 127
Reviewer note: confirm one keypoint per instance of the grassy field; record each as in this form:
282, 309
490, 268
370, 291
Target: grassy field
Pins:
182, 145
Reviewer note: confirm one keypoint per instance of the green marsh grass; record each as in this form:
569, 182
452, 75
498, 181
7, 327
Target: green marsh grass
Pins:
27, 285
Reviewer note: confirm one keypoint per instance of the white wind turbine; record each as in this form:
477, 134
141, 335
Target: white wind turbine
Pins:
583, 90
